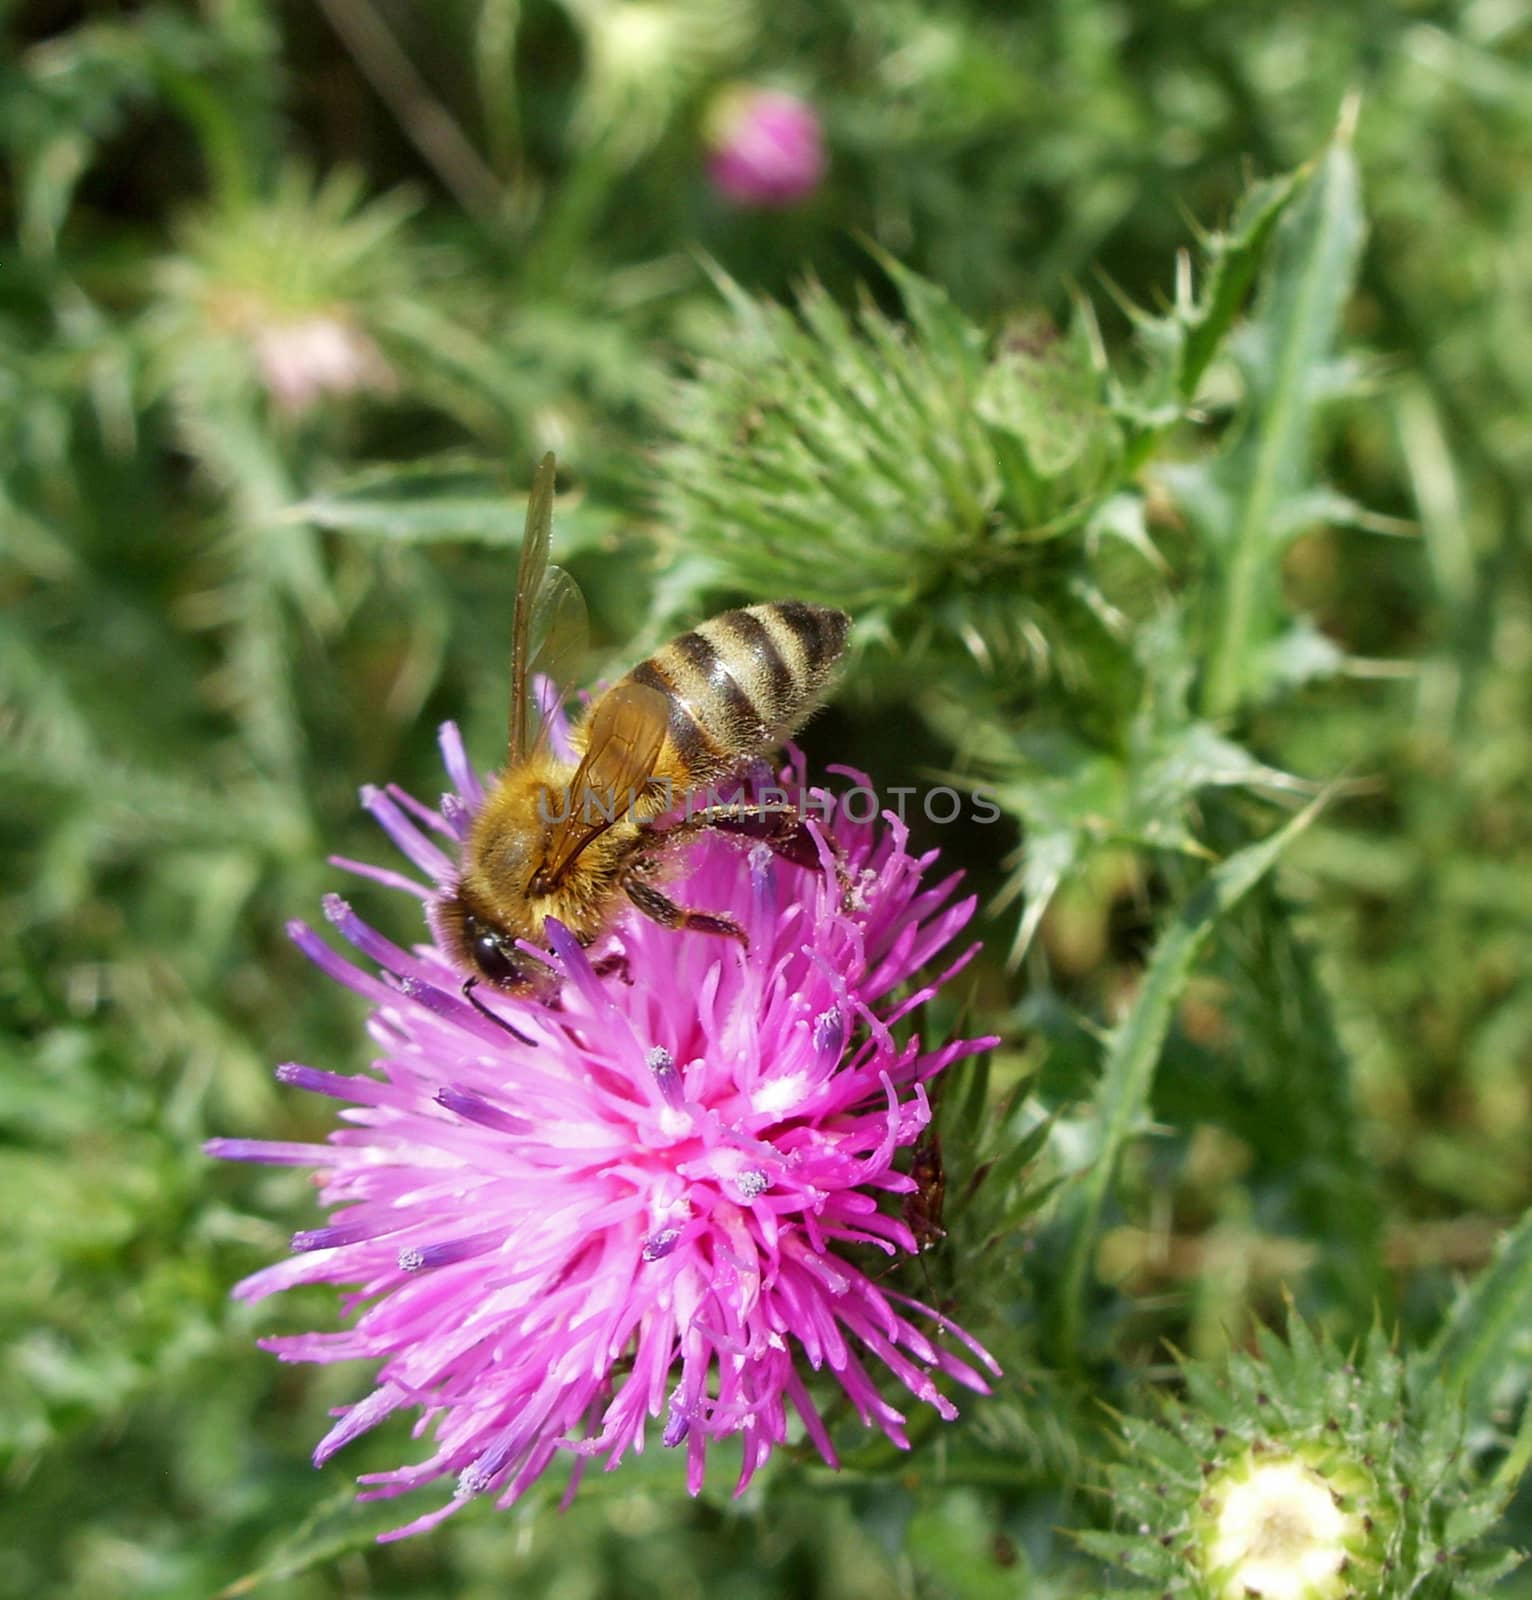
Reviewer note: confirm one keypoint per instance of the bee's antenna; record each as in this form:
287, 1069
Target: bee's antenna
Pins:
469, 985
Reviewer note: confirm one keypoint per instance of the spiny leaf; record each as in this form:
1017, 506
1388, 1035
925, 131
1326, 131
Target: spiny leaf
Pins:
1181, 342
1241, 503
1075, 798
1487, 1339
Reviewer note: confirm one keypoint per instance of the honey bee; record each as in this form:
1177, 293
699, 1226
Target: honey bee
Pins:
573, 841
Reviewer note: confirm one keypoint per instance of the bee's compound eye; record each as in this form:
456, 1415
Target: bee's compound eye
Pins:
494, 957
492, 961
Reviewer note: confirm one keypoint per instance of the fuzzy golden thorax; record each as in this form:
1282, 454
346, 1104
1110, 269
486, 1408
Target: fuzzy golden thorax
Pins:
496, 905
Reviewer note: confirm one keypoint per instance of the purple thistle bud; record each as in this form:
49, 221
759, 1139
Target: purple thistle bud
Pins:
766, 148
562, 1237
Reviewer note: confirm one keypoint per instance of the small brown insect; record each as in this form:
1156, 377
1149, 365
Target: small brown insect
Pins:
573, 841
923, 1206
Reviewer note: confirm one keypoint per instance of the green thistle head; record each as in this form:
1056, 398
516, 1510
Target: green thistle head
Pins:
941, 482
1294, 1474
281, 290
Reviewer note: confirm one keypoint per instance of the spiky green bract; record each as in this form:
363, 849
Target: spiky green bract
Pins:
1293, 1473
931, 478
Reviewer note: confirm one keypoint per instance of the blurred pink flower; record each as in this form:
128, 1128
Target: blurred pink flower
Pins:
766, 147
301, 361
639, 1204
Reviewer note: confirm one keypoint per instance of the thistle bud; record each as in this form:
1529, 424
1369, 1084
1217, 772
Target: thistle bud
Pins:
1295, 1474
1280, 1526
283, 288
766, 147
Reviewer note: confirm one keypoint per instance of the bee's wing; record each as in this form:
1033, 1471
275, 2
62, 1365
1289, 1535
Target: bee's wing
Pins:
627, 729
530, 574
559, 637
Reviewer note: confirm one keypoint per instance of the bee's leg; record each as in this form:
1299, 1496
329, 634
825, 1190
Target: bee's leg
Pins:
779, 828
668, 914
782, 829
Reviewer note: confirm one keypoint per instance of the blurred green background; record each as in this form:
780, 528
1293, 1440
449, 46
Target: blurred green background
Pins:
293, 297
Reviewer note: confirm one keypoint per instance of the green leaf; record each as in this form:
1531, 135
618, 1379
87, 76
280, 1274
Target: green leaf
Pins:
1133, 1052
1075, 799
427, 502
1245, 505
951, 1540
1487, 1338
1182, 342
1236, 257
339, 1525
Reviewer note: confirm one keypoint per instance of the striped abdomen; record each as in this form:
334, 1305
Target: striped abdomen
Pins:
741, 683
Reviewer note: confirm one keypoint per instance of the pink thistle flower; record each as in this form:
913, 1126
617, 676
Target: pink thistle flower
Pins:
300, 362
639, 1204
766, 147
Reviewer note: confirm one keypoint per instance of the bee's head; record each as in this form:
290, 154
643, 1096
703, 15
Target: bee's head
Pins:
487, 950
